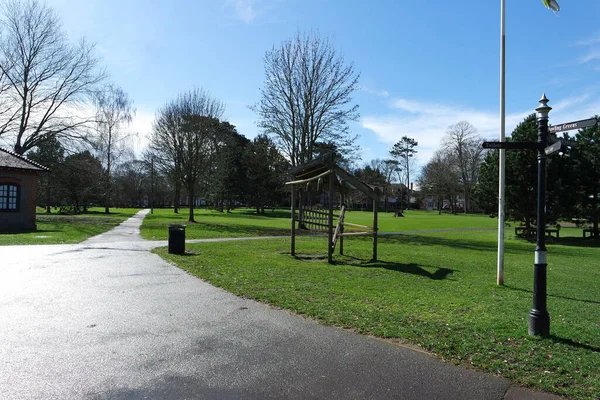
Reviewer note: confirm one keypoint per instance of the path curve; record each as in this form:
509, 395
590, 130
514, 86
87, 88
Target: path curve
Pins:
107, 319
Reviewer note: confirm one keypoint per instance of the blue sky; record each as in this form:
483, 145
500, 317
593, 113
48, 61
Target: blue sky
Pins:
424, 64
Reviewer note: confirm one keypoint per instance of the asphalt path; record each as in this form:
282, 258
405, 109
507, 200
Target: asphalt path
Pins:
107, 319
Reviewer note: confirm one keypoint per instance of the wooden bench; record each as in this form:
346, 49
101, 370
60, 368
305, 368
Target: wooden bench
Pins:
524, 231
550, 231
531, 232
588, 230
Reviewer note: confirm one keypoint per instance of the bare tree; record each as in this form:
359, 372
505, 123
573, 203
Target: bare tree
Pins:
44, 77
166, 147
463, 141
114, 109
388, 169
440, 179
182, 139
306, 97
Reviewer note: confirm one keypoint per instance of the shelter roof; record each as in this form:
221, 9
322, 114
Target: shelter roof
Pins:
10, 160
326, 167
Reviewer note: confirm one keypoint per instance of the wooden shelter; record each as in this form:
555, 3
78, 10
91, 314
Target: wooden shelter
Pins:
326, 175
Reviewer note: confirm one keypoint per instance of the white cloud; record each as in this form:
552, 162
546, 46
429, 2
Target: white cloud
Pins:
592, 46
141, 126
589, 42
427, 122
593, 54
244, 10
380, 93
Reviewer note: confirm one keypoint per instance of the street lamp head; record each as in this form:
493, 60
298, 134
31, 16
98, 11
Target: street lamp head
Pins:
544, 108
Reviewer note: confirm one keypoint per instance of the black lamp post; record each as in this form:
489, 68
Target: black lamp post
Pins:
539, 319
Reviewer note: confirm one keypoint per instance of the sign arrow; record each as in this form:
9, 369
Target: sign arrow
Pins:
510, 145
570, 126
553, 148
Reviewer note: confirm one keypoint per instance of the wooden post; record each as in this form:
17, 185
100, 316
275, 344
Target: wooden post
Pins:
375, 228
293, 249
342, 204
330, 221
301, 210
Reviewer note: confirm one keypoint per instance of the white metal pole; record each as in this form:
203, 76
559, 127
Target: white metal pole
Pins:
501, 166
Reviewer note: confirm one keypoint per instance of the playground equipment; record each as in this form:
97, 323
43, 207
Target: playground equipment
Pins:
326, 174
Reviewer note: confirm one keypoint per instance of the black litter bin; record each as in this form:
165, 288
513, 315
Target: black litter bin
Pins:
177, 239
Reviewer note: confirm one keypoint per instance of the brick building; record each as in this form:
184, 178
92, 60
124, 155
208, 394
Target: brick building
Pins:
18, 192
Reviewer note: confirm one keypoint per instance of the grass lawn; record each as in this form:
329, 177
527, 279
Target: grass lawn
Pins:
244, 222
213, 224
435, 290
56, 229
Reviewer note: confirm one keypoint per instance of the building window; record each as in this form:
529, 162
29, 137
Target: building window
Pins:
9, 197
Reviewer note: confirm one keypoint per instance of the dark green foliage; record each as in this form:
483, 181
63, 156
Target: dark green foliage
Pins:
486, 190
227, 180
521, 174
266, 174
49, 153
81, 180
588, 172
562, 186
572, 180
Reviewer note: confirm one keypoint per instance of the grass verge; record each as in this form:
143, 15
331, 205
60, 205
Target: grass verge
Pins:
435, 290
55, 228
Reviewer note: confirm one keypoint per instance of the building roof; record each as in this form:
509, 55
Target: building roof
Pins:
10, 160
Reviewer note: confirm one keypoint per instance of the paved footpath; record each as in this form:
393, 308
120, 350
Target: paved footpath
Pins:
107, 319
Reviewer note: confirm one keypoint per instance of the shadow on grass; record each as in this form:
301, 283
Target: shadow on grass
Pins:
46, 231
413, 269
268, 214
552, 295
578, 242
309, 257
250, 213
236, 230
571, 343
467, 244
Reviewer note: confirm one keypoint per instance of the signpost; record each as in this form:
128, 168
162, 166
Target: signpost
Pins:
539, 318
571, 126
553, 148
511, 145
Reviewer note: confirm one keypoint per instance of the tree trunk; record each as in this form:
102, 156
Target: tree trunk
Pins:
108, 165
176, 199
191, 206
595, 232
301, 200
401, 198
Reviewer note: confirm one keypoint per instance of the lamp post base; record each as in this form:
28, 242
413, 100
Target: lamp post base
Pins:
539, 323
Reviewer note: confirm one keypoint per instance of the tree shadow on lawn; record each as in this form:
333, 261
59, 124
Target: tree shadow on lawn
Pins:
414, 269
427, 240
251, 213
552, 295
578, 242
572, 343
235, 230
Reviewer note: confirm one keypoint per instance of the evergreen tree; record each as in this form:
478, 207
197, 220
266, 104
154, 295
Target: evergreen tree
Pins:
49, 153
